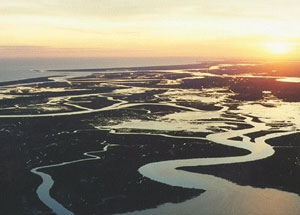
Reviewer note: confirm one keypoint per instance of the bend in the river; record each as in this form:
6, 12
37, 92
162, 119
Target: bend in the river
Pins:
43, 191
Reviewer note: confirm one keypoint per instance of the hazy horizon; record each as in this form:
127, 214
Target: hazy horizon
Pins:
121, 28
20, 68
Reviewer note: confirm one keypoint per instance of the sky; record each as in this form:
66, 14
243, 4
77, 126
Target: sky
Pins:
150, 28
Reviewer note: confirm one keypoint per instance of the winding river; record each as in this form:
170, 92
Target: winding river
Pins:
221, 197
230, 197
43, 191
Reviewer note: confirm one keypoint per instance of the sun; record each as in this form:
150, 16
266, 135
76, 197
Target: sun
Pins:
279, 47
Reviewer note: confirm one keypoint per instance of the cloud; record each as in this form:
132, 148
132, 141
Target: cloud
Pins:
151, 10
46, 51
140, 26
120, 9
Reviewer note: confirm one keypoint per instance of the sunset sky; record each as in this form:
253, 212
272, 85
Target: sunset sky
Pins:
150, 28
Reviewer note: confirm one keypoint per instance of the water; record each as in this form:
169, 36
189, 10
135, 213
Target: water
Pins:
221, 197
17, 69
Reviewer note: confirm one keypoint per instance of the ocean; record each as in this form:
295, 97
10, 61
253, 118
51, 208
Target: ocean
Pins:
17, 69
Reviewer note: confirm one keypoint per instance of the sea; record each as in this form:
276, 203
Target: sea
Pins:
23, 68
